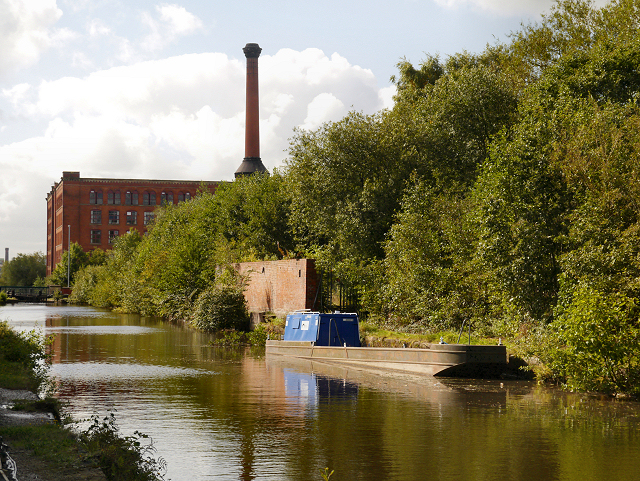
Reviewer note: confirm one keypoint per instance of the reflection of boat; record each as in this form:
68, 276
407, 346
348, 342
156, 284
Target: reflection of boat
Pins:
440, 392
334, 338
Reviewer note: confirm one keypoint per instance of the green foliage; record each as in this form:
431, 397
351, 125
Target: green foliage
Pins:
3, 298
222, 306
122, 458
111, 283
232, 338
571, 27
598, 339
23, 270
348, 179
62, 274
85, 283
345, 180
522, 200
24, 361
602, 166
411, 82
429, 277
531, 198
258, 337
253, 216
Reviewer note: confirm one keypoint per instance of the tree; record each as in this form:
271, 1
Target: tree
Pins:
429, 278
253, 215
345, 180
24, 269
79, 259
527, 207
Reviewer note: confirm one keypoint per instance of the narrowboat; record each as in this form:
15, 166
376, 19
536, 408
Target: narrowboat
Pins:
335, 338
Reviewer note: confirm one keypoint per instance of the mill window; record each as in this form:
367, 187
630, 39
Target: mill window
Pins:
95, 197
96, 236
114, 217
96, 217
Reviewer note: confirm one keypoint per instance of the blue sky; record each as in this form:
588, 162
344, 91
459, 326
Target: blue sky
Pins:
148, 89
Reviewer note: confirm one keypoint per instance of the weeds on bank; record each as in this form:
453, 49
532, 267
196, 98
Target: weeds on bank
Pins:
122, 458
233, 338
372, 335
51, 443
24, 365
23, 358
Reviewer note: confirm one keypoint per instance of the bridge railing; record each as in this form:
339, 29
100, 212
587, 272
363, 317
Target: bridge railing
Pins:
29, 293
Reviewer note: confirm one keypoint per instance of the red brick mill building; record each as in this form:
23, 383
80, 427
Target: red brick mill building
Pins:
99, 210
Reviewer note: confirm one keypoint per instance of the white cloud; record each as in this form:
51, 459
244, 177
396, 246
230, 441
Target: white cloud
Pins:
174, 21
508, 7
321, 109
26, 31
178, 20
180, 117
96, 28
386, 96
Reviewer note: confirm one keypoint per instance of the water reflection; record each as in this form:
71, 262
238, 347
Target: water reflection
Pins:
232, 414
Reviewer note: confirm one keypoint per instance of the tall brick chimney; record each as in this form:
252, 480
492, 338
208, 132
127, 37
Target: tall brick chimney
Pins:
251, 162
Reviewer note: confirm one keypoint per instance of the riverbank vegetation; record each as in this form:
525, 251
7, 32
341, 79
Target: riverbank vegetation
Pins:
501, 190
23, 359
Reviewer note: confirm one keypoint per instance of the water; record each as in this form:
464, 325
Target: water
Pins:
225, 414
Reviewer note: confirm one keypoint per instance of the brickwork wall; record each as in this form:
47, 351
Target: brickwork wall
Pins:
280, 286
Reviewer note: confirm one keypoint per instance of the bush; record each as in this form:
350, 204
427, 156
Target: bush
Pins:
23, 358
122, 458
84, 285
222, 306
3, 298
598, 343
232, 338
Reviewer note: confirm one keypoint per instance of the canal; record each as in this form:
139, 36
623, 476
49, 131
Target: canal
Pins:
231, 414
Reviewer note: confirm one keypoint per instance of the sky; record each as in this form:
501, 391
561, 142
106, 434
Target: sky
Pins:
147, 89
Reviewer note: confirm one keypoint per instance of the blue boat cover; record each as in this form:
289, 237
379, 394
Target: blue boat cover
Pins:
335, 329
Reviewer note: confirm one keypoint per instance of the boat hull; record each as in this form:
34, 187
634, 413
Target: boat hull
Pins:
446, 360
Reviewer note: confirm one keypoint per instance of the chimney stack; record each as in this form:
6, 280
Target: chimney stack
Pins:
251, 162
6, 254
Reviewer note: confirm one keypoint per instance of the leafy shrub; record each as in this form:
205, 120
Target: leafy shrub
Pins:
258, 337
221, 306
85, 282
3, 298
23, 358
598, 343
232, 338
122, 458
